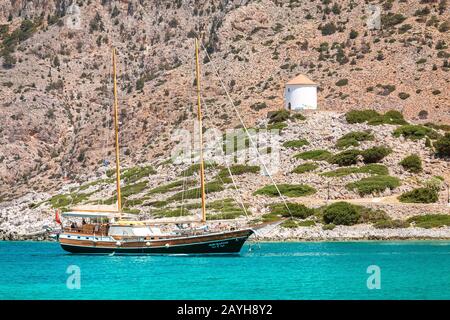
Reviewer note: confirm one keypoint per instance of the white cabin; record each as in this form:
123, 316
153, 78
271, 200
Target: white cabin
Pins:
300, 93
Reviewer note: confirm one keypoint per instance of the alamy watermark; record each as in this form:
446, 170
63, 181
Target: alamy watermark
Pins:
74, 279
374, 280
236, 146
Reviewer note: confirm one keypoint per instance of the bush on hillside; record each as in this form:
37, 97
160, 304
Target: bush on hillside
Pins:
390, 117
238, 169
352, 139
345, 158
374, 184
360, 116
420, 195
341, 213
412, 163
293, 144
415, 132
278, 116
430, 221
305, 167
372, 169
296, 210
391, 224
288, 190
375, 154
374, 118
442, 146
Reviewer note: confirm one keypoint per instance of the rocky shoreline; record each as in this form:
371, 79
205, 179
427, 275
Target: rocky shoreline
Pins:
354, 233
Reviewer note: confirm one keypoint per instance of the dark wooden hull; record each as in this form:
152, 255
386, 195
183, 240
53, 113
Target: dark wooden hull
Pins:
219, 243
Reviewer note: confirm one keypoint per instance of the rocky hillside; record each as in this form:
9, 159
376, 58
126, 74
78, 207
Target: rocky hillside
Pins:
56, 63
326, 156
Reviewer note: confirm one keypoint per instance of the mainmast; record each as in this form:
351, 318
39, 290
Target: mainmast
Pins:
199, 114
116, 130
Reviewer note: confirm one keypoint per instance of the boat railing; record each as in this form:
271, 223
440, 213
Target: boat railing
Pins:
88, 229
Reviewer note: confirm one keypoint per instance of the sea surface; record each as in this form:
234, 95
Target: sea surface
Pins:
302, 270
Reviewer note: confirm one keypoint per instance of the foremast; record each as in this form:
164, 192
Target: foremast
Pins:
116, 131
199, 115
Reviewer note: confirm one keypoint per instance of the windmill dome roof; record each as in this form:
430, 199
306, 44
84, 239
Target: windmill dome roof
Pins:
301, 79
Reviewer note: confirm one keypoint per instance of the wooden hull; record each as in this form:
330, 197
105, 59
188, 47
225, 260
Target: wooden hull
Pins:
218, 243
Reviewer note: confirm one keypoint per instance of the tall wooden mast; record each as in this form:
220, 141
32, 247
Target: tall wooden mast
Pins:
116, 130
199, 114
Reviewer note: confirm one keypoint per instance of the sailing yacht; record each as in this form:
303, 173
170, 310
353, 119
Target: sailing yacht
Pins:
104, 230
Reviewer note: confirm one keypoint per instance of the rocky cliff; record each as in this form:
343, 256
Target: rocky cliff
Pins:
56, 92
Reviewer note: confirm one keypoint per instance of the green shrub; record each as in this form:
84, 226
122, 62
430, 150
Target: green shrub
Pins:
167, 213
328, 28
268, 217
403, 95
375, 154
297, 210
195, 193
65, 200
342, 82
391, 224
171, 186
442, 145
360, 116
238, 170
277, 126
420, 195
133, 174
430, 221
392, 117
412, 163
288, 190
375, 169
434, 183
298, 116
374, 118
278, 116
352, 139
306, 223
131, 189
415, 132
294, 144
305, 167
374, 184
444, 127
295, 224
330, 226
341, 213
314, 155
345, 158
291, 224
196, 168
368, 215
391, 19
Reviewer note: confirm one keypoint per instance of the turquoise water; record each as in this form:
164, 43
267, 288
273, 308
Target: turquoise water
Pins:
312, 270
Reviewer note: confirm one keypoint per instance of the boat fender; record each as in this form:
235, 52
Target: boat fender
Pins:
147, 243
118, 243
167, 245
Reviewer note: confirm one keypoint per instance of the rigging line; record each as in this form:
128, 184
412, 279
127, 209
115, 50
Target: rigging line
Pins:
240, 198
246, 130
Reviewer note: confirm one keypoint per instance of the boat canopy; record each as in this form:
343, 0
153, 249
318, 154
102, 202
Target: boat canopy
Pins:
87, 214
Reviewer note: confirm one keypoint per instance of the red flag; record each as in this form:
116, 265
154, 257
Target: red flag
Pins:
57, 219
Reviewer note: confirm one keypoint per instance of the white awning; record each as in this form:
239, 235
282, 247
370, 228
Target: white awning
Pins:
86, 214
